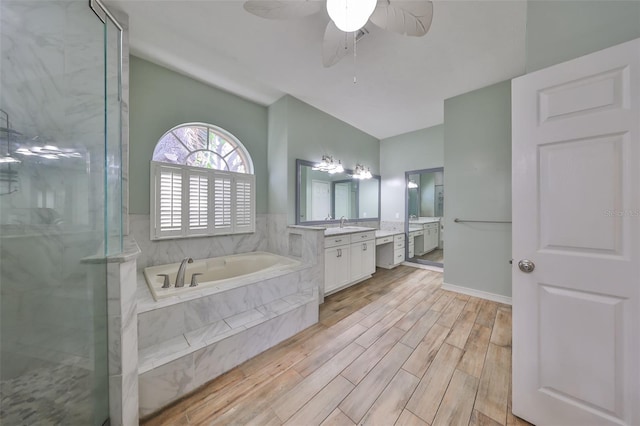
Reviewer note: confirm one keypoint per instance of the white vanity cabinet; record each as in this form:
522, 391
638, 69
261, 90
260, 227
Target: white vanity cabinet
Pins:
348, 259
390, 251
431, 236
363, 259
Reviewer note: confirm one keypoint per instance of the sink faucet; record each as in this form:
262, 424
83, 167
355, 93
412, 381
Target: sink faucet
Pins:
181, 270
343, 220
412, 217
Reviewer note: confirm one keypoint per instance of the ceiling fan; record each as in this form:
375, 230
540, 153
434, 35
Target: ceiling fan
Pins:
406, 17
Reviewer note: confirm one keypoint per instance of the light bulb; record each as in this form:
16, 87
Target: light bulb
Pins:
350, 15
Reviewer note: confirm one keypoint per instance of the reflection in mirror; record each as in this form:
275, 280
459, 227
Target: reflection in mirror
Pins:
322, 197
425, 216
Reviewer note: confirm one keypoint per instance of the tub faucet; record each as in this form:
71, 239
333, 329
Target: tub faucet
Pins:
343, 220
181, 270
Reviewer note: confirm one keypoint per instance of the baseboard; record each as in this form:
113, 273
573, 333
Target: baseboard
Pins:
421, 266
477, 293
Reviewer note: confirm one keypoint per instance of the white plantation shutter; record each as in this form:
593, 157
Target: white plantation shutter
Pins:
198, 197
222, 204
167, 200
244, 203
192, 201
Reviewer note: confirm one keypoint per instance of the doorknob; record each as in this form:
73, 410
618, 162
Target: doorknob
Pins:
526, 265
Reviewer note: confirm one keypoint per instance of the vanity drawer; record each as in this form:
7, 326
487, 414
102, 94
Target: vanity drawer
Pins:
384, 240
338, 240
398, 237
398, 256
416, 233
399, 244
432, 226
362, 236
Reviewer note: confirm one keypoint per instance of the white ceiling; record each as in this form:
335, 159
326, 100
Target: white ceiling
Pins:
401, 81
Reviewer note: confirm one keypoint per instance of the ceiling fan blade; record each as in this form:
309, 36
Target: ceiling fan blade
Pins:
412, 18
288, 9
337, 44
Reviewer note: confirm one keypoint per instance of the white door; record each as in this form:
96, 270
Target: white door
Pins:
320, 200
576, 208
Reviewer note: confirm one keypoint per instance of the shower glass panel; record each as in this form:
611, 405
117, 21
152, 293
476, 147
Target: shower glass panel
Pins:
59, 152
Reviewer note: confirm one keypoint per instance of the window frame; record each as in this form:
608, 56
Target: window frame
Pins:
241, 195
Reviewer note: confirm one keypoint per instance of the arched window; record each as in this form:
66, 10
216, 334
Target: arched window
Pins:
203, 145
203, 184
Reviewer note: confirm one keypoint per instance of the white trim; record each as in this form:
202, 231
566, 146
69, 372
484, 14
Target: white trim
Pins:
422, 266
477, 293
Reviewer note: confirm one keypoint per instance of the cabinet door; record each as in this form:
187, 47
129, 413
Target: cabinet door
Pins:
369, 258
357, 256
336, 267
331, 260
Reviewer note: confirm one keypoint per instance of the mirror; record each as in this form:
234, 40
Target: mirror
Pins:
325, 198
425, 216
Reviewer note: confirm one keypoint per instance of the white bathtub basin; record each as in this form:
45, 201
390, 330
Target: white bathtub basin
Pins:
224, 272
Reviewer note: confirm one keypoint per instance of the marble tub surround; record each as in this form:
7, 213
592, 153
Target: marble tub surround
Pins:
123, 334
162, 321
186, 344
168, 382
219, 273
303, 242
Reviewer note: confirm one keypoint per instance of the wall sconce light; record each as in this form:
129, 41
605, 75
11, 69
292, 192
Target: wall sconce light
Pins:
329, 165
362, 173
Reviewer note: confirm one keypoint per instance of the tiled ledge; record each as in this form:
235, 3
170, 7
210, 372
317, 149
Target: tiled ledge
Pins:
167, 351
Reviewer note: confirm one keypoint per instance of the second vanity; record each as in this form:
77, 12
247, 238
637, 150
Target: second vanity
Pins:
349, 257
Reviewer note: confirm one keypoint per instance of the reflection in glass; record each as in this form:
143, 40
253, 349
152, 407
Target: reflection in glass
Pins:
324, 196
425, 211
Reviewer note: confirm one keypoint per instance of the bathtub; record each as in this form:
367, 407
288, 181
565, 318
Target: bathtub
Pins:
221, 273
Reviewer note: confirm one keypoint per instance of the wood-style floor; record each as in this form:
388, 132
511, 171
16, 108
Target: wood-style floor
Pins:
436, 255
393, 350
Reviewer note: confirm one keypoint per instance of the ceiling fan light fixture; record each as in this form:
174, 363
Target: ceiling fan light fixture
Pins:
350, 15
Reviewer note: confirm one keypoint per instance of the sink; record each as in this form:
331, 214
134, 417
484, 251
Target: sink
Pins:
346, 230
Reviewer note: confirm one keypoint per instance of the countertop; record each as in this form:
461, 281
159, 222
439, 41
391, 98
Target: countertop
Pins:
381, 233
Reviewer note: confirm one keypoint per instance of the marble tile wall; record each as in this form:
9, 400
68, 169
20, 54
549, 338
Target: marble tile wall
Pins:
159, 325
54, 316
392, 225
122, 335
171, 251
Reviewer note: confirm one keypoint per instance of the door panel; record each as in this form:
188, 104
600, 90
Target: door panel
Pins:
576, 215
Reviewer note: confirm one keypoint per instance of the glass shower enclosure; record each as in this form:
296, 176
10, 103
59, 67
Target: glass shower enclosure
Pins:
60, 207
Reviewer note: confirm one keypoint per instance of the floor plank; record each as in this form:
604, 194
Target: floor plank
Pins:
493, 390
394, 348
407, 418
472, 361
365, 362
337, 418
321, 405
390, 404
426, 399
457, 403
364, 395
289, 403
426, 351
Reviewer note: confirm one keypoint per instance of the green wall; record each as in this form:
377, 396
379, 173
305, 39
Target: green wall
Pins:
560, 30
161, 99
422, 149
477, 175
304, 132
